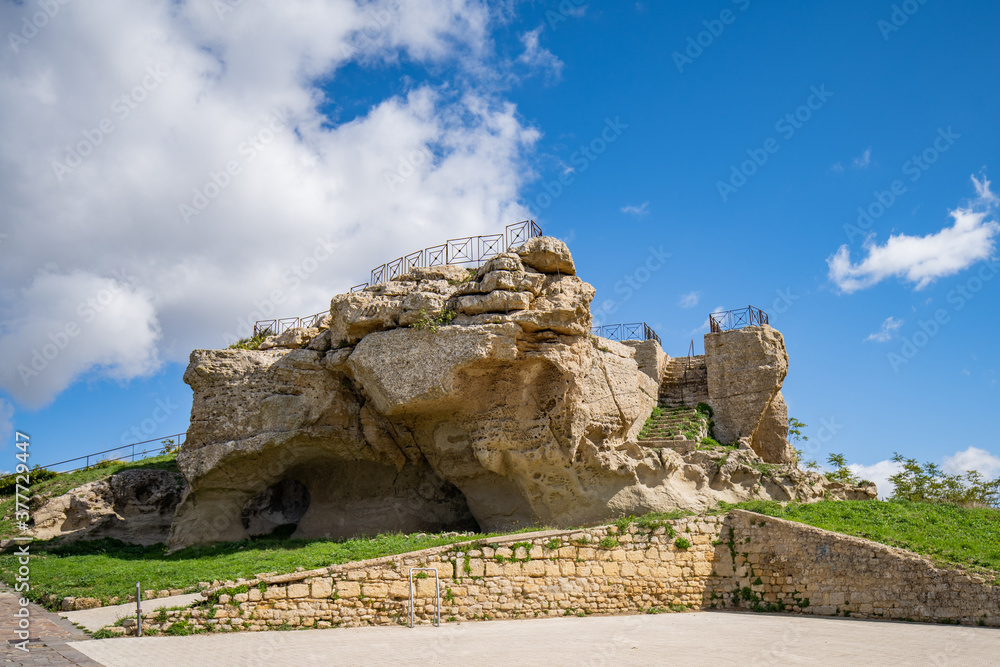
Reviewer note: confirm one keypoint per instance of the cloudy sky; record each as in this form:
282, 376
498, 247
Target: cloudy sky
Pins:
173, 171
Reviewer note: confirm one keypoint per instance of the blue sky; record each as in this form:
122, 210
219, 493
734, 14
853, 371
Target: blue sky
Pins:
739, 138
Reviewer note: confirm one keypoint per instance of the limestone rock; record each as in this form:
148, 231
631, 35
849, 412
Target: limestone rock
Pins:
509, 414
135, 506
746, 368
547, 255
291, 339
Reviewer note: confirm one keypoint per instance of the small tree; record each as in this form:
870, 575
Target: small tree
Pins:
168, 446
927, 483
795, 429
841, 473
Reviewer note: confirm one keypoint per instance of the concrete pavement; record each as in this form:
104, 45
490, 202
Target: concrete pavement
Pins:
705, 638
95, 619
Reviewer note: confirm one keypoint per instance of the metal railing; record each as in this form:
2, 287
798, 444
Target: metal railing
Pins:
277, 326
467, 250
728, 320
633, 331
178, 439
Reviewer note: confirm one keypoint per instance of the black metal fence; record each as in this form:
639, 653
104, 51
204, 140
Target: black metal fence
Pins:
633, 331
467, 250
737, 319
274, 327
144, 451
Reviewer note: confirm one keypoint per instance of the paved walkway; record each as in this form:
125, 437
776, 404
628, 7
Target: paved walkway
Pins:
707, 638
47, 636
95, 619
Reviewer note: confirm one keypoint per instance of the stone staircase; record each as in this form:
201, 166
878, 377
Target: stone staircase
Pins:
685, 382
680, 429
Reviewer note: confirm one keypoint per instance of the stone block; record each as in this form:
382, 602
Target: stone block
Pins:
298, 590
322, 588
348, 589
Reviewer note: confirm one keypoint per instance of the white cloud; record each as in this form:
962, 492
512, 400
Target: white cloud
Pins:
888, 330
879, 473
638, 211
537, 56
836, 167
972, 458
689, 300
181, 94
923, 259
864, 160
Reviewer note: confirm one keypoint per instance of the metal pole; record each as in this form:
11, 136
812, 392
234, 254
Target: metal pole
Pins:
138, 610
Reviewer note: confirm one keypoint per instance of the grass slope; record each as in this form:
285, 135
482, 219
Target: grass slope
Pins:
948, 534
66, 481
108, 568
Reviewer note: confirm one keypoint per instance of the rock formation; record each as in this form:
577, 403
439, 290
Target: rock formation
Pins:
454, 399
135, 506
746, 368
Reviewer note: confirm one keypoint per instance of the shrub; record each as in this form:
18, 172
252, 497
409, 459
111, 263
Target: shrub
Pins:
251, 343
682, 543
8, 483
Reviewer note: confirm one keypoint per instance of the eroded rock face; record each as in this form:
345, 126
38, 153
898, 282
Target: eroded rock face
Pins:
447, 399
135, 506
746, 368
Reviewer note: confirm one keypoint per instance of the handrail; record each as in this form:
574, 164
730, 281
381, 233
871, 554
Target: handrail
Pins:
283, 324
86, 457
728, 320
632, 331
465, 250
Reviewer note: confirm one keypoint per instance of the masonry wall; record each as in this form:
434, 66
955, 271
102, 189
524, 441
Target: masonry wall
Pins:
786, 566
553, 573
742, 560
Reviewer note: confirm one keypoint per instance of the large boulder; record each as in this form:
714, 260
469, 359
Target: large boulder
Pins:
746, 368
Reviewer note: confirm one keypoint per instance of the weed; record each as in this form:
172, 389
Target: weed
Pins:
608, 543
682, 543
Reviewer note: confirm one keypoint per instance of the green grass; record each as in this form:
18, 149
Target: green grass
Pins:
107, 568
948, 534
63, 482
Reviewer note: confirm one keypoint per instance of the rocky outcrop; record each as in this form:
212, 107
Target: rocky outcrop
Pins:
135, 506
447, 399
746, 368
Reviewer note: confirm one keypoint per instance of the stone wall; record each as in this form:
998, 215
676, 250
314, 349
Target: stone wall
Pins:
786, 566
551, 573
741, 560
651, 358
